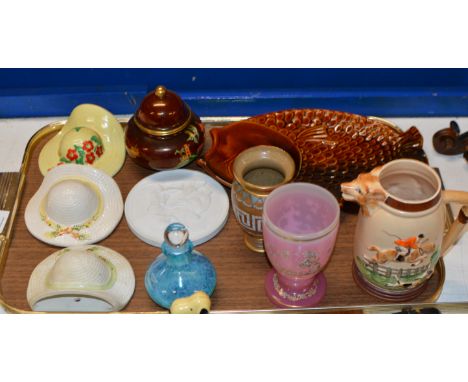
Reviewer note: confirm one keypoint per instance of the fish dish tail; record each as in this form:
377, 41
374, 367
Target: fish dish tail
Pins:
410, 144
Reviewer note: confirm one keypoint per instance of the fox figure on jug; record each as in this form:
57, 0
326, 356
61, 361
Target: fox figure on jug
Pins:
365, 189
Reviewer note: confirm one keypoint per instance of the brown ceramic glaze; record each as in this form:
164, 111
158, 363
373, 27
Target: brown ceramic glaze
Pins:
164, 133
334, 146
449, 141
228, 142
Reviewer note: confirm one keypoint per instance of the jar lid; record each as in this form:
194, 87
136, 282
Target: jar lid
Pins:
162, 112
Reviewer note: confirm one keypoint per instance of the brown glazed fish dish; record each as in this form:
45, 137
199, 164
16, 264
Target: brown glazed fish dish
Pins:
335, 147
230, 141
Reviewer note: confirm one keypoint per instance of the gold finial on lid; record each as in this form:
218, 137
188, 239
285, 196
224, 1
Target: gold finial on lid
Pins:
160, 91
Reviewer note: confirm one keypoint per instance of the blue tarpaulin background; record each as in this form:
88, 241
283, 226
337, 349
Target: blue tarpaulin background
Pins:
229, 92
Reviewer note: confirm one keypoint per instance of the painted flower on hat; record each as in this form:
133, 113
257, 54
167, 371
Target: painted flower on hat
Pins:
72, 154
90, 158
99, 151
86, 153
88, 146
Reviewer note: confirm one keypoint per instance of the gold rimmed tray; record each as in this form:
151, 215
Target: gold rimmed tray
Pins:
241, 273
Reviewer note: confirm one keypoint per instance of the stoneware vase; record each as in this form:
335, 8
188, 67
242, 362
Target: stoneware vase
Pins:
179, 271
300, 226
399, 235
257, 172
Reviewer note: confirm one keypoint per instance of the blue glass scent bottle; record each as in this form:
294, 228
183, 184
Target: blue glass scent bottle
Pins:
178, 271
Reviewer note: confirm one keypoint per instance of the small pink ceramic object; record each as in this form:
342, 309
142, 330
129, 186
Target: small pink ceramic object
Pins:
300, 225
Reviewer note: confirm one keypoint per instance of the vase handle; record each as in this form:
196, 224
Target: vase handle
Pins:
459, 223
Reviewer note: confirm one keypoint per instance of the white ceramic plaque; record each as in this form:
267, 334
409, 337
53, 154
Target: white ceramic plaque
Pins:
177, 196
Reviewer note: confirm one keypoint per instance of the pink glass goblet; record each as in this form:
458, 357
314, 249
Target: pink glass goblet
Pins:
300, 225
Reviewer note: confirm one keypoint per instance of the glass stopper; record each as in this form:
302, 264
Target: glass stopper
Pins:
176, 235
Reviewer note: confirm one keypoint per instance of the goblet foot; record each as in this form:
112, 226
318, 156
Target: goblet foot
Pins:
295, 299
254, 243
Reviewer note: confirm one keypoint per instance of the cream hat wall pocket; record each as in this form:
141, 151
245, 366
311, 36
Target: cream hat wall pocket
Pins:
89, 278
74, 205
91, 136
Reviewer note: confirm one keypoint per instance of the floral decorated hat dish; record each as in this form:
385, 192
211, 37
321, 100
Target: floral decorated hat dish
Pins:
74, 205
89, 278
91, 136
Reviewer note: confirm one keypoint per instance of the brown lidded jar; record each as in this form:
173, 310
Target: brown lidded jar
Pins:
164, 133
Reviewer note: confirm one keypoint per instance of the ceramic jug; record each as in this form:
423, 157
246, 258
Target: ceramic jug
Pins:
399, 235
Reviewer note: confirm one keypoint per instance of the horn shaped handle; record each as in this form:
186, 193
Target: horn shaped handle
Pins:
457, 226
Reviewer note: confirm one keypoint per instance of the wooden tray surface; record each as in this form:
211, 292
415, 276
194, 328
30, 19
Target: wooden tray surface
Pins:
241, 273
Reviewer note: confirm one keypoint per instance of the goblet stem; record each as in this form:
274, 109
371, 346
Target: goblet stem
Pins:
295, 293
295, 285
